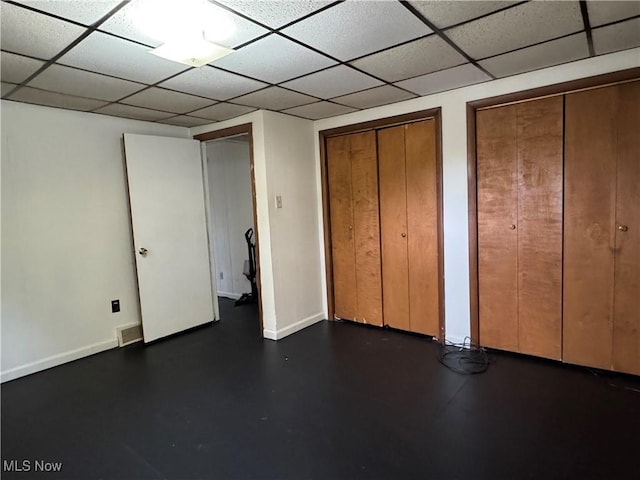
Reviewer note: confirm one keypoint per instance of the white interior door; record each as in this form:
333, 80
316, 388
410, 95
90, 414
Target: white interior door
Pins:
166, 192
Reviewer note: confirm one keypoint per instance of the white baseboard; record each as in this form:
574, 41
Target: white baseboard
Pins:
56, 360
233, 296
296, 327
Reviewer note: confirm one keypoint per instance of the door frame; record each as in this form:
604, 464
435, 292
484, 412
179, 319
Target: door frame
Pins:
397, 120
563, 88
245, 128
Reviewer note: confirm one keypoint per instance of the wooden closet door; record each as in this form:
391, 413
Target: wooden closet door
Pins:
539, 134
422, 226
519, 172
590, 230
626, 316
497, 200
341, 221
366, 223
393, 223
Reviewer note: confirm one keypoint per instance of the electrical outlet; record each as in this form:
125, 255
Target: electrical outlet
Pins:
115, 306
278, 201
221, 275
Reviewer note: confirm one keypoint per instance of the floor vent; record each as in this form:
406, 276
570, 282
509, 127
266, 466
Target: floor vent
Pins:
129, 334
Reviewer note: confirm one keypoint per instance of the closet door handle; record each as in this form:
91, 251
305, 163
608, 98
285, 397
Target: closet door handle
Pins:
512, 227
403, 235
623, 228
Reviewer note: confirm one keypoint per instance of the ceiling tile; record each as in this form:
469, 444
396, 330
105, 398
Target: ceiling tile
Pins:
6, 88
353, 29
53, 99
333, 82
186, 121
274, 98
274, 59
58, 78
167, 100
276, 13
126, 24
136, 113
517, 27
318, 110
374, 97
35, 34
223, 111
539, 56
610, 11
104, 53
411, 59
213, 83
449, 79
447, 13
620, 36
16, 68
86, 12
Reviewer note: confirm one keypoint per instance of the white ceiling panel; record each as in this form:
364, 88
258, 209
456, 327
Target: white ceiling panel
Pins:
186, 121
610, 11
126, 24
517, 27
352, 29
617, 37
449, 79
333, 82
35, 34
543, 55
212, 83
274, 59
104, 53
446, 13
6, 88
167, 100
374, 97
129, 111
411, 59
222, 111
276, 13
16, 68
274, 98
72, 81
54, 99
318, 110
86, 12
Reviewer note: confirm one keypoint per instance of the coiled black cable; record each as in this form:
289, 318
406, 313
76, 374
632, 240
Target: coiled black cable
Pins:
465, 358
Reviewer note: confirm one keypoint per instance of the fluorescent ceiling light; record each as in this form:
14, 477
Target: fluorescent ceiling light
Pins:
167, 20
192, 51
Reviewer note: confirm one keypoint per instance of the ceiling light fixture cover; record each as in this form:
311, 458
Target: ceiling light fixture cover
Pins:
192, 51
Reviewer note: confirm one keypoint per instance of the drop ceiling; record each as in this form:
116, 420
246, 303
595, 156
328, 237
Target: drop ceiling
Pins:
311, 59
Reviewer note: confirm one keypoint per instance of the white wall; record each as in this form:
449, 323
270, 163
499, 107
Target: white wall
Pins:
66, 235
454, 156
229, 176
289, 246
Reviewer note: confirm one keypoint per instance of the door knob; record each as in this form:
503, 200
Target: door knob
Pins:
350, 227
623, 228
403, 235
143, 251
512, 227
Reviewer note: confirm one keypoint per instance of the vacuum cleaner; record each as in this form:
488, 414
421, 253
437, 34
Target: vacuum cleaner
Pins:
249, 271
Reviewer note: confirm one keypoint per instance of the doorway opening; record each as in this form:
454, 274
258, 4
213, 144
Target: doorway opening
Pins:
233, 239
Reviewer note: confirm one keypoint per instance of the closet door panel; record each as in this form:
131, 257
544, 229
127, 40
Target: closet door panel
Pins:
342, 241
539, 226
393, 222
626, 326
422, 225
366, 228
497, 199
589, 235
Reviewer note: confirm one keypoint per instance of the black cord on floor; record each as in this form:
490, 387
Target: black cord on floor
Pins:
464, 358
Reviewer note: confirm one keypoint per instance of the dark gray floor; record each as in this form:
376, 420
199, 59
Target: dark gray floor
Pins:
335, 401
